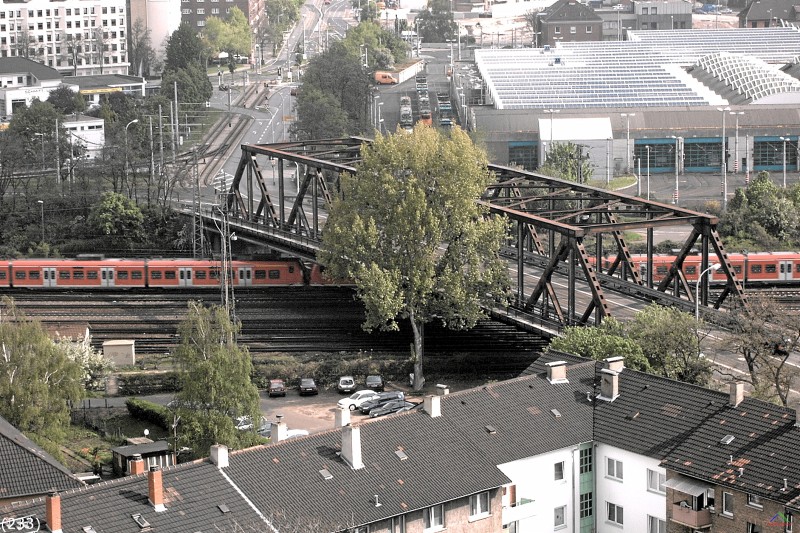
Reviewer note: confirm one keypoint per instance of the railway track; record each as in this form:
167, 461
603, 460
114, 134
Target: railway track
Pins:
282, 319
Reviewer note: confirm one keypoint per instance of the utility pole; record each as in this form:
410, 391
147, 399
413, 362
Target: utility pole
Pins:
58, 158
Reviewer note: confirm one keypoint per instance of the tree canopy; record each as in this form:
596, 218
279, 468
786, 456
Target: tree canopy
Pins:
37, 378
601, 342
214, 376
184, 47
566, 161
66, 100
408, 231
436, 24
230, 35
117, 221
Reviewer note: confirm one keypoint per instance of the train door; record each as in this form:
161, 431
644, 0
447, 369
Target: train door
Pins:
49, 277
785, 271
106, 277
245, 276
185, 276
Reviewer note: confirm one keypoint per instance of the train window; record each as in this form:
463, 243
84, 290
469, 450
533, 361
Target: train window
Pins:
2, 274
691, 270
122, 274
136, 274
169, 274
213, 273
737, 269
63, 274
661, 269
291, 269
92, 274
78, 274
261, 274
200, 274
755, 269
19, 274
274, 274
33, 274
769, 269
155, 274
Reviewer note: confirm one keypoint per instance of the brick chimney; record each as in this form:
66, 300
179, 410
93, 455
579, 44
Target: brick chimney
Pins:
155, 489
609, 385
557, 372
615, 363
136, 465
219, 455
432, 405
736, 394
341, 417
52, 512
351, 446
277, 431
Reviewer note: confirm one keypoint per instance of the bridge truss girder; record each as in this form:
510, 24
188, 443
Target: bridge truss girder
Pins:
566, 227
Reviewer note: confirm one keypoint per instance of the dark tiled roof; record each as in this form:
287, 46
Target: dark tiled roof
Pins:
438, 468
100, 81
192, 494
150, 447
18, 65
766, 9
520, 412
570, 11
766, 445
28, 470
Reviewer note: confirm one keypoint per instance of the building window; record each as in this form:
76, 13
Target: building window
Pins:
398, 524
656, 525
201, 23
586, 460
588, 29
754, 528
727, 503
586, 502
560, 517
654, 11
479, 504
557, 30
614, 513
614, 468
754, 500
511, 527
573, 30
201, 11
434, 517
644, 11
558, 471
655, 481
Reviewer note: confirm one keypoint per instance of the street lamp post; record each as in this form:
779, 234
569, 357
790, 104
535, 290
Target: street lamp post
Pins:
627, 117
677, 168
648, 170
608, 161
736, 114
784, 139
41, 208
697, 290
134, 121
550, 112
618, 9
724, 165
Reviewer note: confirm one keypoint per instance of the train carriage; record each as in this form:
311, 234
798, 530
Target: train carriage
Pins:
72, 273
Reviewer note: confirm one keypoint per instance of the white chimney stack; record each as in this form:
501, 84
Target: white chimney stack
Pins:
737, 393
557, 372
609, 385
351, 446
442, 389
341, 417
278, 430
432, 405
219, 455
615, 363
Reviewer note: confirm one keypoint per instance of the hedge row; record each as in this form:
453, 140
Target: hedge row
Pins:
140, 383
149, 412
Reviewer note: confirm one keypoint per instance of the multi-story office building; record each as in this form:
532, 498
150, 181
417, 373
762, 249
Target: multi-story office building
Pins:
73, 36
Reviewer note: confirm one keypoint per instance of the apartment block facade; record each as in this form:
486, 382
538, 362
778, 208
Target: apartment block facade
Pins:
76, 37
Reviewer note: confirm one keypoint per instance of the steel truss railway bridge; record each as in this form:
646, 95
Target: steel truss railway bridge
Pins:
280, 193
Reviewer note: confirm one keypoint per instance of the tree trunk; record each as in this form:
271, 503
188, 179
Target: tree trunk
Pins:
418, 328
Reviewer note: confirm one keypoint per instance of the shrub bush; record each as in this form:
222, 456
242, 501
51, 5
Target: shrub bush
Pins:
149, 412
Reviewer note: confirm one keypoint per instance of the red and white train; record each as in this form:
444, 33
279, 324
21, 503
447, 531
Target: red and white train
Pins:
153, 273
761, 267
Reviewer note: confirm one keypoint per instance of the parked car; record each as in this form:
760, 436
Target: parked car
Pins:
346, 384
374, 382
355, 400
245, 423
277, 387
307, 386
383, 398
397, 406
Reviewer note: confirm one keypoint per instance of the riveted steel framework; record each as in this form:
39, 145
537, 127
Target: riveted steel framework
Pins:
560, 226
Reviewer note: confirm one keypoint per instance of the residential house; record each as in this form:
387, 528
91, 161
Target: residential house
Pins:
23, 80
769, 13
568, 21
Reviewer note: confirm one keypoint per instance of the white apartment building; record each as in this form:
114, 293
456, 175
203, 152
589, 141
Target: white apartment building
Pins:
88, 132
76, 37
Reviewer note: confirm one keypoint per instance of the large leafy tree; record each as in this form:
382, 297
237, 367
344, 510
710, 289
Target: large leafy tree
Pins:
37, 378
184, 47
66, 100
408, 231
232, 35
194, 86
606, 340
436, 24
319, 116
116, 222
215, 381
567, 162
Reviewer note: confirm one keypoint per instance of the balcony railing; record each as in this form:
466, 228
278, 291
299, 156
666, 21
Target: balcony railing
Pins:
689, 517
524, 508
